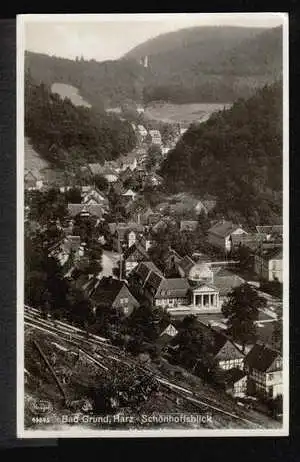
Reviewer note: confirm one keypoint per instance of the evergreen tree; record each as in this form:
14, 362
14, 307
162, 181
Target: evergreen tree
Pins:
241, 309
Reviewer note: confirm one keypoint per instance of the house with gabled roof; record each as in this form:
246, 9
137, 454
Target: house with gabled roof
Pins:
135, 254
268, 264
96, 210
67, 247
188, 225
206, 205
110, 292
166, 335
126, 234
223, 352
140, 275
235, 381
220, 234
154, 137
92, 195
128, 161
109, 173
32, 181
270, 230
251, 241
160, 291
129, 194
172, 292
264, 367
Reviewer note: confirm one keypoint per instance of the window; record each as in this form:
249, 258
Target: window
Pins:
126, 310
124, 301
270, 376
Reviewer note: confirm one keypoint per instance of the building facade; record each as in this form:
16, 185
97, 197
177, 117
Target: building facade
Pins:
264, 367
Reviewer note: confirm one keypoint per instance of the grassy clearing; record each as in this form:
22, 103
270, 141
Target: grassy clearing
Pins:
68, 91
182, 113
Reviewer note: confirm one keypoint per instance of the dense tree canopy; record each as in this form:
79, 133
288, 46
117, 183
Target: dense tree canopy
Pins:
68, 135
241, 310
236, 156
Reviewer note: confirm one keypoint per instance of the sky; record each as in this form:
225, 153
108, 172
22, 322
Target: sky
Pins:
104, 37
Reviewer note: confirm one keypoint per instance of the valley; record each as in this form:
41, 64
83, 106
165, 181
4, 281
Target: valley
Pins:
182, 113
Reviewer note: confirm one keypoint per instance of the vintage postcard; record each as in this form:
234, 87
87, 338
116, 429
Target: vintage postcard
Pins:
153, 222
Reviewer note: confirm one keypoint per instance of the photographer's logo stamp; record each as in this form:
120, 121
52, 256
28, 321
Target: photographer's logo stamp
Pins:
41, 406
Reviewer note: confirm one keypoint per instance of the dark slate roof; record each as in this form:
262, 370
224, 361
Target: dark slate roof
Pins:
106, 290
136, 247
164, 339
274, 253
223, 228
219, 340
144, 269
92, 209
150, 265
153, 281
198, 285
261, 357
246, 238
272, 229
233, 375
67, 244
172, 288
225, 280
186, 263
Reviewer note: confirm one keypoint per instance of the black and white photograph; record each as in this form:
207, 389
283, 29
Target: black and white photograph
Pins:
152, 187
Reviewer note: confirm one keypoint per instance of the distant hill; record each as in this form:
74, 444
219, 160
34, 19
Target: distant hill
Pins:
197, 43
235, 156
206, 64
202, 64
102, 84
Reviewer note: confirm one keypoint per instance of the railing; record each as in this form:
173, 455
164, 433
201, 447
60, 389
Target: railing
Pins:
179, 310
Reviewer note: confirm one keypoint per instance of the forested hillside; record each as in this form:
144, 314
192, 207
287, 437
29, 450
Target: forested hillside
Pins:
237, 156
65, 134
210, 64
202, 64
102, 84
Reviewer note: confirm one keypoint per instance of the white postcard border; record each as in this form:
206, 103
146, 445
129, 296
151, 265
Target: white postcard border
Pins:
73, 433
